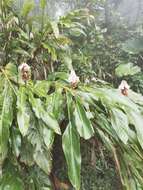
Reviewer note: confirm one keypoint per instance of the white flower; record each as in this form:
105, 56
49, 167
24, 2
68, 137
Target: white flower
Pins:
87, 81
73, 78
124, 85
24, 71
124, 88
31, 35
94, 79
24, 67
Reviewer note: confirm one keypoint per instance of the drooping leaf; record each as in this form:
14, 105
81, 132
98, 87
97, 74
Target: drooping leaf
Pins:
71, 148
136, 97
26, 153
41, 113
48, 136
119, 123
16, 141
137, 120
43, 160
6, 118
23, 115
83, 124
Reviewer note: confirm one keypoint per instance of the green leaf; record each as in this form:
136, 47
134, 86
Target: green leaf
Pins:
43, 4
63, 40
16, 141
136, 119
11, 71
77, 32
71, 148
26, 154
83, 124
57, 103
48, 136
68, 61
22, 52
23, 114
41, 88
119, 122
51, 50
6, 118
127, 69
11, 182
55, 28
43, 160
28, 6
41, 113
133, 46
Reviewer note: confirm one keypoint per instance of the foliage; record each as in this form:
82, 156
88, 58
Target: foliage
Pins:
127, 69
34, 112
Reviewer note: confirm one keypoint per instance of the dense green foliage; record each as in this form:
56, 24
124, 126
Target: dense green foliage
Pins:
40, 104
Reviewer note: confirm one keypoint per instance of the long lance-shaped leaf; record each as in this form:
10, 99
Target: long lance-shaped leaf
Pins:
83, 124
119, 122
6, 117
71, 148
23, 116
40, 113
136, 119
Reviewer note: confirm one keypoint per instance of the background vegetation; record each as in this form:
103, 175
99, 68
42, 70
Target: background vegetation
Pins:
54, 135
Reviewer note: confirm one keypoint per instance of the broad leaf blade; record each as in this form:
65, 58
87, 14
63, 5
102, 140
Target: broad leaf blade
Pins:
119, 122
23, 116
83, 124
71, 148
137, 120
41, 113
41, 88
16, 141
6, 117
43, 160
